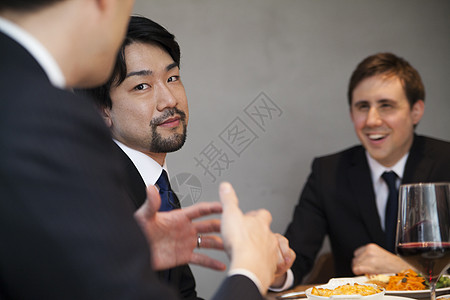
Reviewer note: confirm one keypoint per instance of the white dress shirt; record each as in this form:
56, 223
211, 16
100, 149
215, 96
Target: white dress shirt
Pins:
37, 50
147, 167
380, 187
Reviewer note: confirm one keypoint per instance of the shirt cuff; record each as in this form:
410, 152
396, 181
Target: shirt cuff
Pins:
249, 275
287, 284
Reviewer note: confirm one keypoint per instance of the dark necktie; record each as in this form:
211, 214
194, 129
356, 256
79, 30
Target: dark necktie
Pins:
390, 221
169, 200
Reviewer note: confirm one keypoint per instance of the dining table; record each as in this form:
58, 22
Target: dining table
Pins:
298, 288
301, 288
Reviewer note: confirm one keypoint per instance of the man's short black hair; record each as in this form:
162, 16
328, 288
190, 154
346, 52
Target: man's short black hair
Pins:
140, 30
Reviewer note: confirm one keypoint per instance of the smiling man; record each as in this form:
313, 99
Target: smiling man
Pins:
347, 194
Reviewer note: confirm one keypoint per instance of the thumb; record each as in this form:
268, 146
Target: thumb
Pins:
228, 197
152, 203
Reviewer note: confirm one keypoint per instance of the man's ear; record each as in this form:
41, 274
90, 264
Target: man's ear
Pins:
417, 111
105, 112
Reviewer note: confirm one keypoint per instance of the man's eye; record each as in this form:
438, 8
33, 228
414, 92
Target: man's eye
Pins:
363, 107
173, 78
141, 86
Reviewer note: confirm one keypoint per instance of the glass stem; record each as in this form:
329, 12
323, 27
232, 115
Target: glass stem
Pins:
433, 290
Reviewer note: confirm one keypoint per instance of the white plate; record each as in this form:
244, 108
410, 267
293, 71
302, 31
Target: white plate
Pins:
301, 295
413, 294
387, 297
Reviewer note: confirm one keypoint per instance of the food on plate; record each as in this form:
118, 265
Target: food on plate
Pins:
381, 280
444, 281
406, 281
347, 289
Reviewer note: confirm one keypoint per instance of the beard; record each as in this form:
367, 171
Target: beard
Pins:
160, 144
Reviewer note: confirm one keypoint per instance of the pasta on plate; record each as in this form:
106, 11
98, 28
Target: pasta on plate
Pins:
407, 280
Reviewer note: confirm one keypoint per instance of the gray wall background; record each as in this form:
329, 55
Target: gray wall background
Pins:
300, 54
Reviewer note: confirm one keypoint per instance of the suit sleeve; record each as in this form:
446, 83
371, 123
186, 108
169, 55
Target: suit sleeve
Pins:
308, 227
66, 231
187, 283
238, 287
182, 280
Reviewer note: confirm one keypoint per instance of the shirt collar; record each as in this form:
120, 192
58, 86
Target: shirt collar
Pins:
37, 50
148, 168
378, 169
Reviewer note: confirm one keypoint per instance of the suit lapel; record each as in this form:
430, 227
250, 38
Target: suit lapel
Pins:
419, 164
362, 189
135, 186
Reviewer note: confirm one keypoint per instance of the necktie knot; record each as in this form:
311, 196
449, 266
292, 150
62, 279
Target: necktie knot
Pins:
163, 181
169, 200
390, 178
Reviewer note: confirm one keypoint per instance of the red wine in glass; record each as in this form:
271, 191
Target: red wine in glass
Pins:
430, 258
423, 229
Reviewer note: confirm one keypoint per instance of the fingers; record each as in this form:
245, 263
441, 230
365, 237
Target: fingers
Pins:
369, 258
211, 242
359, 250
359, 265
153, 202
357, 270
207, 226
207, 262
202, 209
287, 253
230, 203
228, 197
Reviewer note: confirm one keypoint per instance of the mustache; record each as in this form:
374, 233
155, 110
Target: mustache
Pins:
169, 112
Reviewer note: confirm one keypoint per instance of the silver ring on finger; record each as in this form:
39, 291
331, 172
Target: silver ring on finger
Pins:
199, 240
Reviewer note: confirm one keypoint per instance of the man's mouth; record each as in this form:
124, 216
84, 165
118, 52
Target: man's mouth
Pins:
170, 122
170, 118
376, 136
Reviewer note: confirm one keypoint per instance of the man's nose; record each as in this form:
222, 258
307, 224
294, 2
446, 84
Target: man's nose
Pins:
373, 118
166, 98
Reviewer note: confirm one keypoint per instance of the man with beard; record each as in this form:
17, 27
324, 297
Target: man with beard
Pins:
145, 106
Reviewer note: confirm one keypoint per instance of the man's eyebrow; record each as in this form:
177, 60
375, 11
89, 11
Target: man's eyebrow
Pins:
149, 72
384, 100
362, 101
171, 66
139, 73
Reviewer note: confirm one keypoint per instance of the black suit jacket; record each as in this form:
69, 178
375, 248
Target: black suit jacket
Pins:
181, 278
339, 200
66, 227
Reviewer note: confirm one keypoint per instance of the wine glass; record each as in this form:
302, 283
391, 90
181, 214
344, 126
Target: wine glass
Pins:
423, 229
